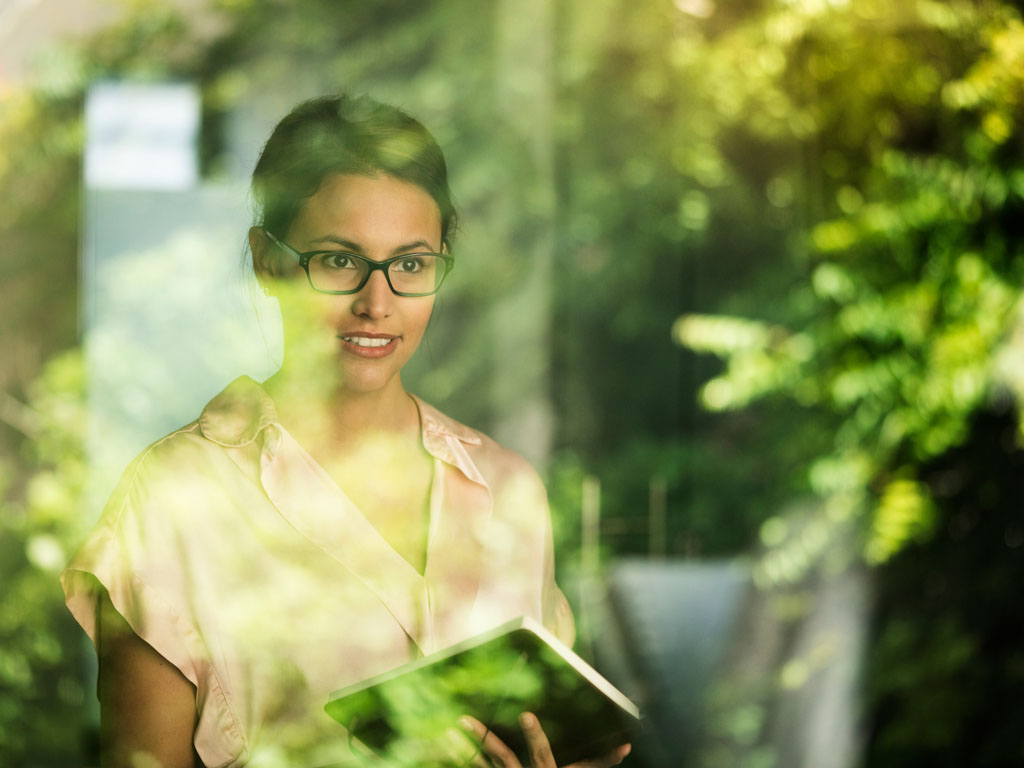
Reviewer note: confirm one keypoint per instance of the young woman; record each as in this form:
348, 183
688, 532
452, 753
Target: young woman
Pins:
327, 525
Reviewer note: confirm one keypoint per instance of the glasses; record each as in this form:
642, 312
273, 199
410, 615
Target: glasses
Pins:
341, 272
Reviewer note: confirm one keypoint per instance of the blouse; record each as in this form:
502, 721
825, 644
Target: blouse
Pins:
229, 550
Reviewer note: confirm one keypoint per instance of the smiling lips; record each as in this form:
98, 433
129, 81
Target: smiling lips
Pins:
368, 344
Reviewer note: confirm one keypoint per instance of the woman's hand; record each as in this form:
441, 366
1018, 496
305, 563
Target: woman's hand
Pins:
537, 743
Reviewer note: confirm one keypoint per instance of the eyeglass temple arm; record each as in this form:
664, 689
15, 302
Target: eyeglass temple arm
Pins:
283, 245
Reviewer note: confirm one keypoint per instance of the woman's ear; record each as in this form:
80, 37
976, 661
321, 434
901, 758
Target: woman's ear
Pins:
259, 249
259, 246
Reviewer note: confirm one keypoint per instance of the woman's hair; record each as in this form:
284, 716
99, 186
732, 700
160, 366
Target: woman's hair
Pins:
345, 135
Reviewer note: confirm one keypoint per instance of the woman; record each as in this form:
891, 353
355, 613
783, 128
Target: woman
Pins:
323, 527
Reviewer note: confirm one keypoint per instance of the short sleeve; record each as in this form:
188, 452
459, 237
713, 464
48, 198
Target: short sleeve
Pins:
120, 557
137, 554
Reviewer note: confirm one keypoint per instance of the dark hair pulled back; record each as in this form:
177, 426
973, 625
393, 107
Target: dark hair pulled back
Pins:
345, 135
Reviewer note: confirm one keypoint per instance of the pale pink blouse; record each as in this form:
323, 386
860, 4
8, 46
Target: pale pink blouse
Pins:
228, 549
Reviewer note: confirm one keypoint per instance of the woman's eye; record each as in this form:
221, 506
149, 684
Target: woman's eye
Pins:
337, 261
410, 264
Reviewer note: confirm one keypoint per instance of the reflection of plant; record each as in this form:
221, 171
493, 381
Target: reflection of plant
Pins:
42, 690
493, 684
897, 336
909, 280
860, 158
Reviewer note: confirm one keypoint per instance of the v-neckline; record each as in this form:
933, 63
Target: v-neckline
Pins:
432, 497
306, 494
380, 538
434, 607
431, 513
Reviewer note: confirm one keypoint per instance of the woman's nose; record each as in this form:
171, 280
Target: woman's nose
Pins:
374, 299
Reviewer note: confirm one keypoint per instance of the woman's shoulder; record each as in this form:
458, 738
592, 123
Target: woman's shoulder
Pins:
207, 450
495, 462
234, 418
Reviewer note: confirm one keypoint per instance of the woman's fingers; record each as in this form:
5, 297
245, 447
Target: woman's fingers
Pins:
540, 748
463, 749
536, 742
492, 746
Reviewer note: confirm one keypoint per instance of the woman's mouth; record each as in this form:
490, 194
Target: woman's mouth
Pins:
368, 346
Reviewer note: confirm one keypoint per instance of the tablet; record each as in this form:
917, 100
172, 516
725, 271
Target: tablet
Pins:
407, 714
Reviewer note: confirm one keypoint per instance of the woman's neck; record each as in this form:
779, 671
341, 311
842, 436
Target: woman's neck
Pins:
322, 416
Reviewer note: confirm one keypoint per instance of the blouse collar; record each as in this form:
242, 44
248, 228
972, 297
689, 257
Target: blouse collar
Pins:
242, 411
238, 415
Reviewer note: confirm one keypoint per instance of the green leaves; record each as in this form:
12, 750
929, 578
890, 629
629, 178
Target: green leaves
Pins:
913, 279
40, 666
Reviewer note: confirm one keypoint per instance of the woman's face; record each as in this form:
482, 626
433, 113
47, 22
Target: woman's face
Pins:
373, 333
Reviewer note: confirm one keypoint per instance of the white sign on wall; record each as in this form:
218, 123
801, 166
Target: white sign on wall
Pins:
141, 136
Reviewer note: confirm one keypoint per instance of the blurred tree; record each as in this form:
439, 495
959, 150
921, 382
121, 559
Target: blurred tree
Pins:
657, 219
904, 288
947, 669
42, 688
828, 193
904, 270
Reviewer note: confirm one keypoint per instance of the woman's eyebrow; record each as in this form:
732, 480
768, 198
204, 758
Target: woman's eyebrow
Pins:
356, 248
348, 244
416, 244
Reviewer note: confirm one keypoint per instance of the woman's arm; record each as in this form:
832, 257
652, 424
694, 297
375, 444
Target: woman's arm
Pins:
147, 707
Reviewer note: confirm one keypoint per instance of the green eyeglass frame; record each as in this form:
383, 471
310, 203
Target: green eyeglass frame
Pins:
303, 259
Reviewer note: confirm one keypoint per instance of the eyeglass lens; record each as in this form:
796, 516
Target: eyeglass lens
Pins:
415, 273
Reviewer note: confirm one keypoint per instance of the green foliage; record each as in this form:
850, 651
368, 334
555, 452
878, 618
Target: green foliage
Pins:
824, 196
884, 139
44, 693
906, 283
946, 665
42, 689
